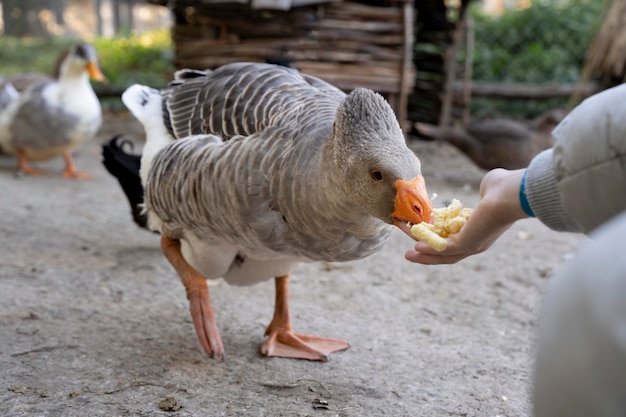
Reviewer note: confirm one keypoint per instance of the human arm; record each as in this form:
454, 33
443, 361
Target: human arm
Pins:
576, 186
498, 208
502, 194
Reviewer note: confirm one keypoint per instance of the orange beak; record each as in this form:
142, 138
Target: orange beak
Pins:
412, 202
95, 73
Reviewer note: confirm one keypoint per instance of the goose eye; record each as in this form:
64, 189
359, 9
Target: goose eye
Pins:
376, 175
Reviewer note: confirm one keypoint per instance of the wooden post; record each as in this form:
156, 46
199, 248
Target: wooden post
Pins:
467, 74
450, 74
58, 7
130, 6
115, 8
97, 7
407, 58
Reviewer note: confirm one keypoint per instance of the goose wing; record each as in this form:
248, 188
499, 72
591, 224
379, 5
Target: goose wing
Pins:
243, 99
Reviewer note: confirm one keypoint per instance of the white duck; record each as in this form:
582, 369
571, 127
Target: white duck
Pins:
275, 168
8, 93
52, 117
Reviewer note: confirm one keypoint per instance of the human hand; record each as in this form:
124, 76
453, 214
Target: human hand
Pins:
499, 207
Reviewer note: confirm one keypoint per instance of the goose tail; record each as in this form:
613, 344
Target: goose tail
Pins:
125, 166
144, 103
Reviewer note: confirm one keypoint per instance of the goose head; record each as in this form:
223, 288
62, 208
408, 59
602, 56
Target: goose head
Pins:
381, 174
78, 60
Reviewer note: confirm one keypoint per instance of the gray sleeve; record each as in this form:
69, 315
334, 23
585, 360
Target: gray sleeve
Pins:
544, 197
581, 182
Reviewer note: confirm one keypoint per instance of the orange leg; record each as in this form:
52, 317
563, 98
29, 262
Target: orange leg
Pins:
198, 295
70, 169
283, 342
23, 166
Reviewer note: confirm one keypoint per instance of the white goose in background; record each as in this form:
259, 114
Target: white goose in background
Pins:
53, 117
273, 168
8, 93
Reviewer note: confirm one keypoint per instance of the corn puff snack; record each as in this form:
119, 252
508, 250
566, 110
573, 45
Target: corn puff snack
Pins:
446, 222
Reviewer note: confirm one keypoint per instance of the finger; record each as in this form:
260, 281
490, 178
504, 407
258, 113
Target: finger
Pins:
424, 248
433, 259
452, 248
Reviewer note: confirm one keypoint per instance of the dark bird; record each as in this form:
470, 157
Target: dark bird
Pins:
54, 116
498, 143
124, 166
251, 169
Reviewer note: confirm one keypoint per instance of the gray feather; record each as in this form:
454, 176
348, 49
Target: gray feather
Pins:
291, 178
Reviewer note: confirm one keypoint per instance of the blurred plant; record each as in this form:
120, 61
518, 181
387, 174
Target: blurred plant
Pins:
145, 59
20, 55
546, 42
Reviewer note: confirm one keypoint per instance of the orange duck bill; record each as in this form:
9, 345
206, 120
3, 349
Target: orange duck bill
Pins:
94, 72
412, 204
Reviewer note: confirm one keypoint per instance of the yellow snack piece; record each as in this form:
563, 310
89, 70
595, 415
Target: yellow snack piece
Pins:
429, 237
446, 222
454, 225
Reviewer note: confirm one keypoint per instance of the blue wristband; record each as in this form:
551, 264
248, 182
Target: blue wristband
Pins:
522, 197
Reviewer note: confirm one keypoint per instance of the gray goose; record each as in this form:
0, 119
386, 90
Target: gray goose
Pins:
253, 168
52, 117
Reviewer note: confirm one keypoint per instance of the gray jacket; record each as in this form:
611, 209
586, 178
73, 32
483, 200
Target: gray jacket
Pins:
581, 182
579, 185
580, 367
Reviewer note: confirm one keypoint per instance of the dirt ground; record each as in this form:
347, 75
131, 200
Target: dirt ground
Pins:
94, 321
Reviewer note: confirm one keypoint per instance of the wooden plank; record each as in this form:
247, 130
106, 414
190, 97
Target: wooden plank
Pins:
300, 3
331, 56
389, 58
212, 61
271, 4
359, 25
199, 48
348, 83
374, 51
348, 80
375, 69
350, 11
516, 91
376, 39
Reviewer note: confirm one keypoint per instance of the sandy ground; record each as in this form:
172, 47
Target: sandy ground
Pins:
94, 321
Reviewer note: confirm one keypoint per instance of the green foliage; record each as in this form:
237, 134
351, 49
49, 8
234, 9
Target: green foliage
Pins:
545, 43
20, 55
145, 59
